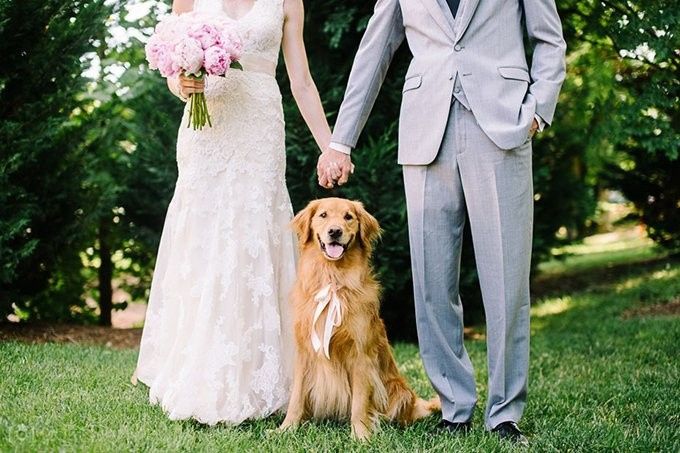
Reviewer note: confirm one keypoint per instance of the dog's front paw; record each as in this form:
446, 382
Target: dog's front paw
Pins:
279, 430
360, 432
287, 425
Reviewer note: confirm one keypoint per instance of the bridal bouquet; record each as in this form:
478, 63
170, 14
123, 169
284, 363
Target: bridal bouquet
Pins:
194, 45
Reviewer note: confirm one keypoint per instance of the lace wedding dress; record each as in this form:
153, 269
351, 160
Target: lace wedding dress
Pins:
217, 343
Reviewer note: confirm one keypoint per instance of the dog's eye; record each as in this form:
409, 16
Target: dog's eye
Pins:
348, 217
323, 215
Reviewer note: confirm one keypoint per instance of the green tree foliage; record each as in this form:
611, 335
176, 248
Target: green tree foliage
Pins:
647, 39
130, 165
41, 172
640, 100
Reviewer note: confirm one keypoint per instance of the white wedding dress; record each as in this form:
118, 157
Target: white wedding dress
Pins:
217, 344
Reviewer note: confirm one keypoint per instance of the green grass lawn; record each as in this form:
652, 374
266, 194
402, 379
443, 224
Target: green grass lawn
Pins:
601, 379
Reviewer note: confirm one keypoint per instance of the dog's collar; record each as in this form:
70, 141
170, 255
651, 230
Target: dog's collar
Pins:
326, 297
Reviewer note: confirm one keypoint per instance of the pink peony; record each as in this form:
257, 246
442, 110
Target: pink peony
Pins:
208, 35
231, 43
172, 28
155, 51
167, 66
217, 61
188, 55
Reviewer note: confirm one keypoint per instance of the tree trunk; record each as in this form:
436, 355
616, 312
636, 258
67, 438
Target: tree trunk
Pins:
105, 275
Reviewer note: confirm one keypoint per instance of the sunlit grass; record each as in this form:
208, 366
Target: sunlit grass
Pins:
619, 247
668, 274
551, 307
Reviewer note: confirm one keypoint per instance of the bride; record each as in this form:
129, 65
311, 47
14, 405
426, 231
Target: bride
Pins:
217, 343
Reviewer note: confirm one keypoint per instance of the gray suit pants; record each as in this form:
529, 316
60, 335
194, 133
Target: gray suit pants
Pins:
472, 176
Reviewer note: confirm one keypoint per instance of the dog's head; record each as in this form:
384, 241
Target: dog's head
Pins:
336, 226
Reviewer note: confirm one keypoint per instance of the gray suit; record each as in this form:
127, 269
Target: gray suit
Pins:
468, 104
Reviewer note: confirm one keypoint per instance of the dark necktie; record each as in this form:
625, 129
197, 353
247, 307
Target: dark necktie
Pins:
453, 4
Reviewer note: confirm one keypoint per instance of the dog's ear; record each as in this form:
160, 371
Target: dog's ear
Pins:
369, 228
302, 222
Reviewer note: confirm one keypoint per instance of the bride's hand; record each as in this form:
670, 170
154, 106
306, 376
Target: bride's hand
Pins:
333, 167
190, 85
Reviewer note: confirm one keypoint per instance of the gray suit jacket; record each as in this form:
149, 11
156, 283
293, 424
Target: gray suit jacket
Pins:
484, 46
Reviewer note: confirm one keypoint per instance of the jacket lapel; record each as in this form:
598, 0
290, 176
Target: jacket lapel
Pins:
468, 10
439, 15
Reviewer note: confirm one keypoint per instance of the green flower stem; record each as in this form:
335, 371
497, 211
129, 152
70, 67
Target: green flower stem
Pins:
198, 109
201, 108
197, 114
191, 109
207, 114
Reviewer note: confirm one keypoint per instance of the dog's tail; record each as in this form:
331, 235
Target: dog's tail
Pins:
423, 408
401, 402
405, 406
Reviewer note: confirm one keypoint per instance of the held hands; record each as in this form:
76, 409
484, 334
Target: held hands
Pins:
333, 168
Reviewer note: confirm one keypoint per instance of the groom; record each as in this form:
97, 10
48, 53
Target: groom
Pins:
469, 111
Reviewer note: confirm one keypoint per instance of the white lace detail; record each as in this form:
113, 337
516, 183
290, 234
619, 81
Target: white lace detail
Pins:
217, 343
261, 28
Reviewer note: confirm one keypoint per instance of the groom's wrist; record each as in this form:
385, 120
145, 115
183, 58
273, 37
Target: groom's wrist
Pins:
341, 148
540, 121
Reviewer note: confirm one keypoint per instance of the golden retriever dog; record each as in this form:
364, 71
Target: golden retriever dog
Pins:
344, 367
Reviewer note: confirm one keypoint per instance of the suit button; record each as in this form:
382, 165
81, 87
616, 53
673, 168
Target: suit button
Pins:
457, 90
458, 48
450, 77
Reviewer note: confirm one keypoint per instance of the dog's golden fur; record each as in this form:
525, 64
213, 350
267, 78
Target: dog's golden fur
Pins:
360, 381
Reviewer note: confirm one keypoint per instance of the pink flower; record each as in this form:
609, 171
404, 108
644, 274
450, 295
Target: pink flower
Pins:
231, 43
159, 57
208, 35
188, 55
217, 60
193, 43
167, 67
155, 51
172, 27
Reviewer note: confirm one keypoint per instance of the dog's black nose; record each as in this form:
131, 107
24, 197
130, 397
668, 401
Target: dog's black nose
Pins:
334, 233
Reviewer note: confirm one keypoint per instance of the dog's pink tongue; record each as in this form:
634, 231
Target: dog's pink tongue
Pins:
334, 250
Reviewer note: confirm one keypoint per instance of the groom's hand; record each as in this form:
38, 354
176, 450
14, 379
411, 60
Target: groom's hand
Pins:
534, 128
333, 167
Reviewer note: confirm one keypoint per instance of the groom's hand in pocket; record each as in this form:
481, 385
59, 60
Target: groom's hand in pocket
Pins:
534, 128
334, 167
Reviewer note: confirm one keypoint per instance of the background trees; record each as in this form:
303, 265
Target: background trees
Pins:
87, 157
640, 100
42, 44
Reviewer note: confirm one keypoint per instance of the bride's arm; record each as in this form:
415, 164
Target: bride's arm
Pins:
181, 86
182, 6
304, 90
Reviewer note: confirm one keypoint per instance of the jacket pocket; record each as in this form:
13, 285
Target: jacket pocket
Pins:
514, 73
412, 83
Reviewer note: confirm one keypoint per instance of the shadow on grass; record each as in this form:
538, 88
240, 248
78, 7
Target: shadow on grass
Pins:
575, 281
606, 295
